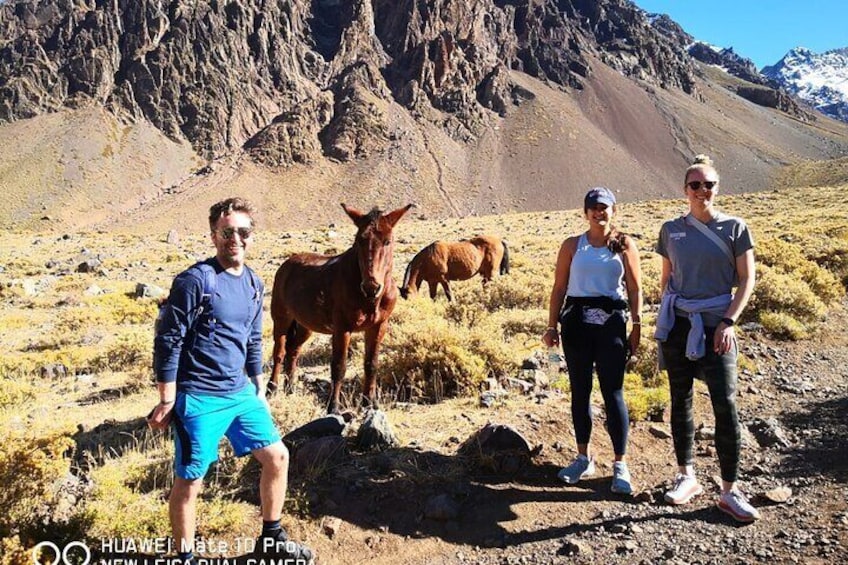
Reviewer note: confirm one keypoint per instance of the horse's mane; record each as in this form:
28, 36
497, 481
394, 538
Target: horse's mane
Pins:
373, 215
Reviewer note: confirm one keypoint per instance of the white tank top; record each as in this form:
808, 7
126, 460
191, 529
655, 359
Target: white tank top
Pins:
596, 271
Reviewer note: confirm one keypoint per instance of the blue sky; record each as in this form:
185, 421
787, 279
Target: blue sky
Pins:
762, 30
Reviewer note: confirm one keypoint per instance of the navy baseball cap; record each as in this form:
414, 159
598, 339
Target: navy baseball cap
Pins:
599, 195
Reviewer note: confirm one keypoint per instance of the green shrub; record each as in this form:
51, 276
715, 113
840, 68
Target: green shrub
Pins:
790, 258
123, 308
651, 266
780, 324
12, 552
427, 353
779, 292
643, 401
15, 391
29, 467
133, 349
517, 290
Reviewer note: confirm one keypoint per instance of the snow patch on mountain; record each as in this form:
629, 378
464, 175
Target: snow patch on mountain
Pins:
820, 79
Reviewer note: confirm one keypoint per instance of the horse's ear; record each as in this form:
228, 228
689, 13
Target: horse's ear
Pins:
355, 215
394, 216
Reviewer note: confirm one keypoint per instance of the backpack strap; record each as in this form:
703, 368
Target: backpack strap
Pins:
210, 286
255, 283
709, 234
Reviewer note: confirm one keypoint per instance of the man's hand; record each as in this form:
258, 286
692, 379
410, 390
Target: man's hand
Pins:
259, 383
160, 417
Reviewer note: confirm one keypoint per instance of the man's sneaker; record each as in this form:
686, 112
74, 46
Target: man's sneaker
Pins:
685, 487
580, 468
621, 478
735, 504
278, 544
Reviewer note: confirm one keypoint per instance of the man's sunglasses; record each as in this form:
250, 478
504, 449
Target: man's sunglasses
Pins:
696, 184
228, 233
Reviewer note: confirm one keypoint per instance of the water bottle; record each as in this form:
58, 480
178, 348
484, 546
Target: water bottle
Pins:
554, 363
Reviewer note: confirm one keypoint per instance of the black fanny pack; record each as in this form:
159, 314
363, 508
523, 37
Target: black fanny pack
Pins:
571, 316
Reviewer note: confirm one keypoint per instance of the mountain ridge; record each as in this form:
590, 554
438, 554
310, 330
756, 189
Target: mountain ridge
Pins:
466, 108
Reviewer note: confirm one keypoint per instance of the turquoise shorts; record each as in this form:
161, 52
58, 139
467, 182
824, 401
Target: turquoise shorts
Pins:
201, 420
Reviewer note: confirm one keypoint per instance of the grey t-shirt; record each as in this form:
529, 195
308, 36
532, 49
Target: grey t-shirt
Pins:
699, 268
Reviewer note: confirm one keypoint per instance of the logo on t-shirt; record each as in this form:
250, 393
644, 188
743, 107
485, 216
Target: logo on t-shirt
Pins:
677, 235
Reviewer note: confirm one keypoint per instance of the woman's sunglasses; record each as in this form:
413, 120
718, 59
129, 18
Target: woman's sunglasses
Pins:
228, 233
696, 184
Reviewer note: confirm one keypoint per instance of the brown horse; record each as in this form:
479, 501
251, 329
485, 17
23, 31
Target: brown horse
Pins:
337, 295
444, 261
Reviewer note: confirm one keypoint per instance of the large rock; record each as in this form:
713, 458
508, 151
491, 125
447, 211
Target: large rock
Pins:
332, 425
499, 448
769, 433
376, 432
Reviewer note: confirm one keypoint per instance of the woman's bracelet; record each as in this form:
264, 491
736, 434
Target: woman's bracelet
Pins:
550, 329
636, 323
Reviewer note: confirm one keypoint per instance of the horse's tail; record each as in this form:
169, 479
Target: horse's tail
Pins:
505, 261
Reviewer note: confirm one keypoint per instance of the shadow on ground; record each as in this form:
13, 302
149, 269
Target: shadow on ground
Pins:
394, 492
823, 449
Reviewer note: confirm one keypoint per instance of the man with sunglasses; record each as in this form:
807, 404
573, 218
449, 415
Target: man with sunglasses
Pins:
209, 376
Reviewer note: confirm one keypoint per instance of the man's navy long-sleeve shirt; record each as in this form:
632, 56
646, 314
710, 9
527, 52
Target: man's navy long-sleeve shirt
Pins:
217, 352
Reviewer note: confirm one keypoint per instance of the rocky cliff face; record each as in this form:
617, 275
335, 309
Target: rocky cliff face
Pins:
729, 60
291, 81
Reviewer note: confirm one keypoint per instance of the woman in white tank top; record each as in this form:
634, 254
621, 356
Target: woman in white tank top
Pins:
597, 275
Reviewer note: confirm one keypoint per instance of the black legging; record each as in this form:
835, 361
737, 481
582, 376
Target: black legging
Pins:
719, 374
604, 348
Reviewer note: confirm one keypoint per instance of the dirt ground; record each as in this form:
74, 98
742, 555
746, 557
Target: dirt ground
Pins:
800, 389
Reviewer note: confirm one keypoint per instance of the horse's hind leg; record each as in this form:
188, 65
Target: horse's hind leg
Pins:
373, 337
446, 286
297, 336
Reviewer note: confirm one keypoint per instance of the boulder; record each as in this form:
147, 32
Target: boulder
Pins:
499, 448
147, 290
376, 432
331, 425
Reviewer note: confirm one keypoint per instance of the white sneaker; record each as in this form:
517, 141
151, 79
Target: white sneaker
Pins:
580, 468
621, 478
684, 489
735, 504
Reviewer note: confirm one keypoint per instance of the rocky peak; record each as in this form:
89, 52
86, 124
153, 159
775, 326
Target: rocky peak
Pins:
820, 79
728, 60
295, 80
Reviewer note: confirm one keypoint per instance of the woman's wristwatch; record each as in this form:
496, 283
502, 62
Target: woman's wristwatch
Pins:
728, 322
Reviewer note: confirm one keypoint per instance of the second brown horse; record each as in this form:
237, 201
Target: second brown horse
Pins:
337, 295
444, 261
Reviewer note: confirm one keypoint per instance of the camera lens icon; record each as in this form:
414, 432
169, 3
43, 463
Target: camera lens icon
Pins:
64, 555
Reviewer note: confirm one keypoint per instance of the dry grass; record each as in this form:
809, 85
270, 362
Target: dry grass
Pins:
433, 351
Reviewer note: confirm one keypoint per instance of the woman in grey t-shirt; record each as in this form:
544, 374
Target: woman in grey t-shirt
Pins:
705, 254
